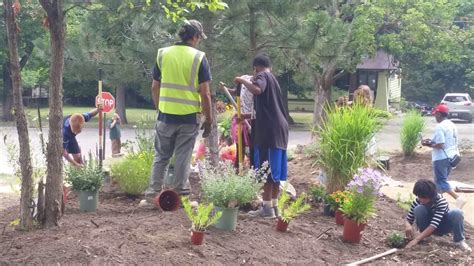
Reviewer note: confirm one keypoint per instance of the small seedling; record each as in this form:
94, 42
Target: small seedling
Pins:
289, 211
200, 217
396, 240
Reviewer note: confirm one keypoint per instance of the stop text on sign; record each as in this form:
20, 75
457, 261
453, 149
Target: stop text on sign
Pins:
108, 102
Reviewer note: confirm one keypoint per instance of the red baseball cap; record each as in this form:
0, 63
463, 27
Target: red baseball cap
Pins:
441, 108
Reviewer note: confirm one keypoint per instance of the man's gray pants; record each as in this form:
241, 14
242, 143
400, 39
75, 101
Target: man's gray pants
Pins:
177, 139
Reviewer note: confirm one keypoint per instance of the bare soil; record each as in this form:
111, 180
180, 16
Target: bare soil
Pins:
126, 234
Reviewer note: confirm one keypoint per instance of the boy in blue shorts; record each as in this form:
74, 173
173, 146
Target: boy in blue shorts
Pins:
72, 126
271, 132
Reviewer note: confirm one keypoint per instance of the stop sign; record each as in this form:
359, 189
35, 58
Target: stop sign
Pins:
108, 101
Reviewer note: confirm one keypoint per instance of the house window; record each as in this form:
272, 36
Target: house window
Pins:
368, 77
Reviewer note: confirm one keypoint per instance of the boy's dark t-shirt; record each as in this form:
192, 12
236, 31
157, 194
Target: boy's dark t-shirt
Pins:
271, 125
114, 132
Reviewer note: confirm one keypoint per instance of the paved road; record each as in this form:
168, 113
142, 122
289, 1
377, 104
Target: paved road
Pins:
388, 139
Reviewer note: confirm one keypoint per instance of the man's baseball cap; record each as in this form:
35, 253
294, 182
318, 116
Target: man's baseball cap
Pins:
441, 108
195, 26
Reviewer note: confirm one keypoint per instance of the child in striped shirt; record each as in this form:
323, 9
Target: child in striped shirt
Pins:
431, 213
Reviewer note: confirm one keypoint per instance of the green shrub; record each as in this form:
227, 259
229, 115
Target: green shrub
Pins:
222, 186
396, 240
318, 192
405, 204
86, 178
412, 126
133, 172
381, 114
224, 123
344, 137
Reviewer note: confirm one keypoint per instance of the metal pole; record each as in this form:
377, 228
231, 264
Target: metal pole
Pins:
100, 118
239, 132
103, 139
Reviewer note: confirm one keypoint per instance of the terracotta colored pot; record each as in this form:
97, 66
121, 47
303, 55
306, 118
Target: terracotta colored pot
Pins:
282, 226
339, 218
168, 200
352, 231
197, 237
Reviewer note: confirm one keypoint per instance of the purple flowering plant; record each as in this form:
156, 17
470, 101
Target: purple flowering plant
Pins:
365, 187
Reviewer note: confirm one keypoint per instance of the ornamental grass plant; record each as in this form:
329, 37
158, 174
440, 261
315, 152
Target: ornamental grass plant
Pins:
344, 137
412, 127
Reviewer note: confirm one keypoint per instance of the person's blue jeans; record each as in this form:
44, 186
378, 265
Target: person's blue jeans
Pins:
453, 222
441, 171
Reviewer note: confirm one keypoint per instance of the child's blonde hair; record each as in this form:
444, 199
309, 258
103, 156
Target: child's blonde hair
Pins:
363, 95
77, 122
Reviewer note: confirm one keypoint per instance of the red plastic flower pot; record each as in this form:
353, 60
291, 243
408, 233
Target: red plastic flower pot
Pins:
197, 237
352, 232
339, 218
168, 200
282, 226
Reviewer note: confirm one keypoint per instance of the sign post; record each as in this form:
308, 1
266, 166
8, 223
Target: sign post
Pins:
100, 117
108, 104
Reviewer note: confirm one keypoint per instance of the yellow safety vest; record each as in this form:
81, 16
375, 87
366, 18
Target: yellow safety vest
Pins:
179, 90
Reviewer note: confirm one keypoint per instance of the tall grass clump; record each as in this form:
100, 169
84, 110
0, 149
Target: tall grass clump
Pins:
412, 126
344, 137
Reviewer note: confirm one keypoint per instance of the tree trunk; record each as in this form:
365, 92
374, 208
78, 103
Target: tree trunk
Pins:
322, 87
26, 219
213, 139
252, 30
54, 180
120, 108
7, 114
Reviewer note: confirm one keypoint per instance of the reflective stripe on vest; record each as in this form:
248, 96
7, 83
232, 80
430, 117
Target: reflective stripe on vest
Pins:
179, 87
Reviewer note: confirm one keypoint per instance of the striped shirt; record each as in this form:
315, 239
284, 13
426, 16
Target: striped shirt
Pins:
439, 208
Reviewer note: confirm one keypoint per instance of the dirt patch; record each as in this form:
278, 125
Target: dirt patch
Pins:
130, 235
420, 166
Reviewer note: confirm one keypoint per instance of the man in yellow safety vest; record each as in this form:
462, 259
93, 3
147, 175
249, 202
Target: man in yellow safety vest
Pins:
180, 91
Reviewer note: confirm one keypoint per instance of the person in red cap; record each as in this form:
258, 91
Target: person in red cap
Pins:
445, 146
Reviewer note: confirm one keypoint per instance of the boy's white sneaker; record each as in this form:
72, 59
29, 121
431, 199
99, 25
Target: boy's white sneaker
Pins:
463, 245
460, 202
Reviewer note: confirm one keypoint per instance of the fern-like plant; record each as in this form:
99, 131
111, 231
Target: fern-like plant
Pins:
201, 217
289, 211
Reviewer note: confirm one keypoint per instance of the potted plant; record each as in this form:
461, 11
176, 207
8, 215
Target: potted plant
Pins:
228, 190
335, 201
360, 205
289, 211
318, 193
201, 219
86, 180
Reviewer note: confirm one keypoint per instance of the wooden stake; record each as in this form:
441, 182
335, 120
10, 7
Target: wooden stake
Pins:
393, 250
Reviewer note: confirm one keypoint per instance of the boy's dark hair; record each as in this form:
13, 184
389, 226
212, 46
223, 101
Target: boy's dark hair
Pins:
262, 60
425, 189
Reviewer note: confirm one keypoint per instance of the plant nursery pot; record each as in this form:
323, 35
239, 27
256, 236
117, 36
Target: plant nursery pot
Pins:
228, 220
328, 211
168, 200
282, 226
197, 237
352, 232
88, 200
339, 218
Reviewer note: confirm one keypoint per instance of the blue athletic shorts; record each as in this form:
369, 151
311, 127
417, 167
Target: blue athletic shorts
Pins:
277, 160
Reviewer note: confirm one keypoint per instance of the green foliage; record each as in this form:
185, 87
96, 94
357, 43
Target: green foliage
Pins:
336, 199
343, 142
290, 211
133, 172
318, 193
201, 217
225, 188
359, 208
396, 240
224, 123
412, 127
86, 178
312, 150
381, 114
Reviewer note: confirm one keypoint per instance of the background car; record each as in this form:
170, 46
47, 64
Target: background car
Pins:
460, 106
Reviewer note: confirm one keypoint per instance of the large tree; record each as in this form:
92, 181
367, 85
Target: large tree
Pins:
11, 12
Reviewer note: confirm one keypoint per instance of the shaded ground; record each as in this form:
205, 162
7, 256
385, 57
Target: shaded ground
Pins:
129, 235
